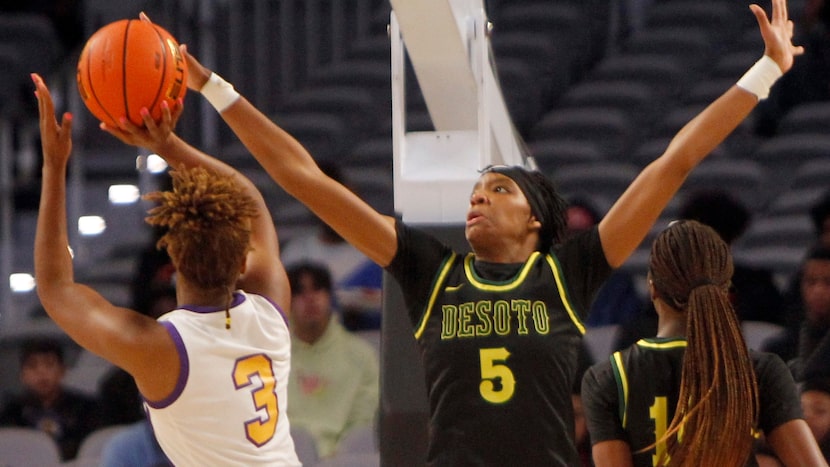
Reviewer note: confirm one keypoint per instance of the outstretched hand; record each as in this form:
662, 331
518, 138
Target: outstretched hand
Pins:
777, 32
153, 135
56, 139
197, 74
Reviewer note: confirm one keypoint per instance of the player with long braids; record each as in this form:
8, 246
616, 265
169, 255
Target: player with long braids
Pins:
212, 372
694, 395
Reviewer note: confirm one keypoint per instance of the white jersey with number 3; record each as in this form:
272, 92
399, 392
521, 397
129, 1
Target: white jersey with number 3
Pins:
229, 405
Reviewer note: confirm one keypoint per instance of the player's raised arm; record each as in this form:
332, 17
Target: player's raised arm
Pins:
631, 217
122, 336
294, 169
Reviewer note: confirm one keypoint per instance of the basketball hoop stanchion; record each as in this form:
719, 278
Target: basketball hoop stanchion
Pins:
447, 43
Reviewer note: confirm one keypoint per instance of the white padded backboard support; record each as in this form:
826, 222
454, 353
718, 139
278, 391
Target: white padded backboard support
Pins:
448, 45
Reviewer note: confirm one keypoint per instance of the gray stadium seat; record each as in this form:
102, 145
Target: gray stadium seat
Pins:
808, 117
785, 153
600, 341
552, 153
691, 43
610, 127
26, 447
636, 99
795, 230
607, 178
304, 446
756, 333
745, 179
667, 76
89, 452
359, 440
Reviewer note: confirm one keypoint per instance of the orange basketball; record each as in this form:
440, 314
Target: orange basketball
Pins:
127, 65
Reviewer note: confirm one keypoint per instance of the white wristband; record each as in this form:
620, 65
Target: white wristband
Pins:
219, 93
759, 79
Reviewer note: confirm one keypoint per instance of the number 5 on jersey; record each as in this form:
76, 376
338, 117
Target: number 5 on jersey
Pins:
492, 369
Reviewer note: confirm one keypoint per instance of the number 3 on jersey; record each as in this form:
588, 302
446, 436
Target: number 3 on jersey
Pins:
492, 369
260, 429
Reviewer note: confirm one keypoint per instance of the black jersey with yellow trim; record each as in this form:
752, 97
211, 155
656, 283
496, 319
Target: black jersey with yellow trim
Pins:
499, 348
633, 396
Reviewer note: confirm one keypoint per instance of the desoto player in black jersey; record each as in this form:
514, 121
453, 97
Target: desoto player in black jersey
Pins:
499, 329
694, 394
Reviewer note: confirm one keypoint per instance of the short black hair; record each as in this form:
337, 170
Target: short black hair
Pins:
320, 275
818, 252
820, 211
720, 211
40, 345
820, 383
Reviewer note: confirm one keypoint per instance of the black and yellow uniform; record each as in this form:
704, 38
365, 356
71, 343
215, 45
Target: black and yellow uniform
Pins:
632, 397
499, 343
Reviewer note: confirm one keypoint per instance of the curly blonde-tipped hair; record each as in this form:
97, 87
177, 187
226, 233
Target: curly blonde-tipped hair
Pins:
208, 219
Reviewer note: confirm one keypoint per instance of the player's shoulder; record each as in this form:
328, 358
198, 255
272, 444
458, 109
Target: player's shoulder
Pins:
767, 361
599, 371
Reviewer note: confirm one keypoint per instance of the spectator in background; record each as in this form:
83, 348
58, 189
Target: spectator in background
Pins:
807, 348
820, 217
136, 446
357, 280
334, 380
815, 402
617, 301
45, 404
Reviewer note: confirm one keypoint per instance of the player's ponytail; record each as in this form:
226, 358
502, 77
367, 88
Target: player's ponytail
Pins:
717, 409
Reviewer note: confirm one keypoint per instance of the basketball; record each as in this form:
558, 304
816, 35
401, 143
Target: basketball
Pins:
127, 65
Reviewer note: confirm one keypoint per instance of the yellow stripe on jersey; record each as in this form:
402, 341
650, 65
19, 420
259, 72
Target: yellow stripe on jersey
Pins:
436, 288
674, 343
557, 275
622, 385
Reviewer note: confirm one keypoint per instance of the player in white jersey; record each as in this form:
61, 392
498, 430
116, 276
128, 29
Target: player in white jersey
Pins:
250, 362
214, 371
